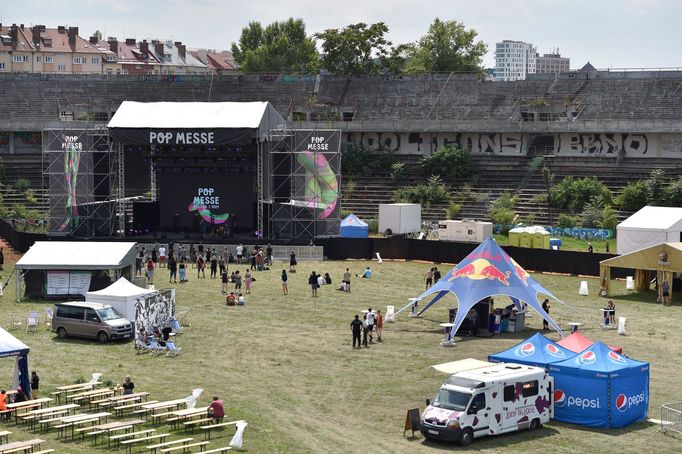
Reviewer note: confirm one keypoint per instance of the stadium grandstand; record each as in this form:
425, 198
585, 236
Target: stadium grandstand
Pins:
614, 125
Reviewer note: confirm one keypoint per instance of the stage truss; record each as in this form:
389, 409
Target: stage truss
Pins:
84, 181
303, 188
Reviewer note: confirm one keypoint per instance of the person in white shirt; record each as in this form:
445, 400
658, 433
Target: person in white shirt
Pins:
162, 257
240, 252
370, 324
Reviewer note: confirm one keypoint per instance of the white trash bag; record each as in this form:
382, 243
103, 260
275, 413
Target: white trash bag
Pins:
238, 438
192, 400
95, 377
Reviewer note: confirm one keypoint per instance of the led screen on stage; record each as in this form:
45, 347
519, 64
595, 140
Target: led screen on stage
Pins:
224, 199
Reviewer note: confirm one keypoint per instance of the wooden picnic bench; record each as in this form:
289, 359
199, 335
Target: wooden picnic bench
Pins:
179, 416
34, 415
27, 404
183, 448
5, 434
132, 406
197, 422
18, 446
223, 449
129, 435
208, 428
168, 444
111, 427
66, 389
133, 441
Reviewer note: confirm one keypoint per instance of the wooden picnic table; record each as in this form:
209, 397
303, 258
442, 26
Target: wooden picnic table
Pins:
110, 427
77, 420
116, 399
180, 416
89, 395
151, 408
33, 415
78, 387
16, 446
27, 404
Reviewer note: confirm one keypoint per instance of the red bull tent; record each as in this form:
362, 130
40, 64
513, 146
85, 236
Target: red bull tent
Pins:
537, 350
487, 271
11, 346
600, 388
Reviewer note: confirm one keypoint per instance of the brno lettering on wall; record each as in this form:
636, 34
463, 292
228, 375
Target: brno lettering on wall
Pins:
425, 143
630, 145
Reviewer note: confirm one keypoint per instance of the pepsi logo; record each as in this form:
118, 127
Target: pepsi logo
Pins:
588, 358
559, 398
554, 350
613, 356
527, 349
621, 402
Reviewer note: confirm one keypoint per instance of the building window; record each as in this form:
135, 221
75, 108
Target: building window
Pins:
39, 59
61, 67
49, 59
95, 60
79, 60
20, 58
109, 71
60, 54
2, 66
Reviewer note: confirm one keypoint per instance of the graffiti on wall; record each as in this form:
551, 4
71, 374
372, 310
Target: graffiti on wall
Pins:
423, 143
576, 144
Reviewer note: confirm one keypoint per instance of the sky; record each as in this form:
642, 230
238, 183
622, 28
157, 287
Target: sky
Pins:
607, 33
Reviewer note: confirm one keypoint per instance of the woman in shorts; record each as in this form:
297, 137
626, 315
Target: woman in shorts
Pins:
285, 286
292, 262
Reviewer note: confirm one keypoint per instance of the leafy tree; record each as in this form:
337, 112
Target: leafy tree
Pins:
453, 210
591, 215
447, 46
673, 193
573, 194
502, 211
634, 196
394, 61
356, 161
434, 191
655, 186
609, 219
353, 49
566, 221
449, 162
282, 47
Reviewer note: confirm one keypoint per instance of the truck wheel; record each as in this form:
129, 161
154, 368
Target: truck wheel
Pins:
102, 337
61, 333
534, 424
466, 437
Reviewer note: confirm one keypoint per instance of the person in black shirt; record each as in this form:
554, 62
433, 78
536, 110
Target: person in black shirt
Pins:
35, 385
545, 307
173, 269
436, 274
214, 265
128, 385
356, 327
268, 257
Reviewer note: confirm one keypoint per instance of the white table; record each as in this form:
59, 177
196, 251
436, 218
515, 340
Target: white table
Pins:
447, 327
574, 326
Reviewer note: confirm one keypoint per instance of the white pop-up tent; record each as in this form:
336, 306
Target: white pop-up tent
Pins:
121, 295
648, 227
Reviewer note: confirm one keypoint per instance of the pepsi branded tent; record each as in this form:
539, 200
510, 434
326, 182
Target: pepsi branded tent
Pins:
600, 388
353, 227
537, 350
487, 271
11, 346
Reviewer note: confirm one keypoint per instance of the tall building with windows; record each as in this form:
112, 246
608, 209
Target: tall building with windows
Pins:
514, 60
552, 63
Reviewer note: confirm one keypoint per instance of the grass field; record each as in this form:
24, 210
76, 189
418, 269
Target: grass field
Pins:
285, 364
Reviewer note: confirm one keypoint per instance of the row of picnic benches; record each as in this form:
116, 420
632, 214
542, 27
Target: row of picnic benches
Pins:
123, 433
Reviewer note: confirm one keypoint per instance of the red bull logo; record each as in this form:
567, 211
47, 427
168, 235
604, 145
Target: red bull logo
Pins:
520, 272
624, 402
588, 358
554, 351
615, 357
481, 269
527, 349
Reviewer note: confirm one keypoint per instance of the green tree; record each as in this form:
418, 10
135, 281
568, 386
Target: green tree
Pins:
447, 46
673, 193
655, 185
449, 162
282, 47
573, 194
634, 196
355, 48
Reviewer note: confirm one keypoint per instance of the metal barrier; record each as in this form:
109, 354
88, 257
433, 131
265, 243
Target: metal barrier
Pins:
671, 418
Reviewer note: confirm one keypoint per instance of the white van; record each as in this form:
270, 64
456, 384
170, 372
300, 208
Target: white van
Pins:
489, 400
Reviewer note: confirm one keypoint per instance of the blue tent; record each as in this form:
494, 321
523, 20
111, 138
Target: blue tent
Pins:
11, 346
537, 350
487, 271
353, 227
600, 388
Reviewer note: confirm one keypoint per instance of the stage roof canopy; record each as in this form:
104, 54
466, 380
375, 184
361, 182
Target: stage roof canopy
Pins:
197, 115
77, 255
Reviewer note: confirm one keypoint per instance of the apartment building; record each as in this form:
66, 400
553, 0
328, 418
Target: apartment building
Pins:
217, 62
552, 64
514, 60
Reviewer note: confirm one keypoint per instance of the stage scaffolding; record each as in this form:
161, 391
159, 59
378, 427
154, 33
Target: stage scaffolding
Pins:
85, 182
304, 173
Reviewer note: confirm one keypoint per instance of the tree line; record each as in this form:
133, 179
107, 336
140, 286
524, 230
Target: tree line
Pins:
285, 47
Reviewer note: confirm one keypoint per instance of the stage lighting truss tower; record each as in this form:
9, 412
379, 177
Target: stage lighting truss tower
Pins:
95, 178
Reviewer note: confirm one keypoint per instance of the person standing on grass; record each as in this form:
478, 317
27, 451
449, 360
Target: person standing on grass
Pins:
370, 324
214, 265
379, 324
365, 331
225, 280
312, 281
35, 385
221, 265
292, 262
436, 274
240, 253
285, 285
665, 293
247, 282
237, 281
162, 256
138, 266
346, 279
128, 385
429, 278
268, 252
172, 269
545, 307
216, 410
356, 328
150, 271
201, 265
183, 270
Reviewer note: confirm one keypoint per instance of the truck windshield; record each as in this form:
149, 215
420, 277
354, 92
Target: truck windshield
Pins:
108, 313
452, 400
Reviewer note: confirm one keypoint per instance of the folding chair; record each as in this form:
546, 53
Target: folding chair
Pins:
153, 348
32, 322
15, 324
49, 313
176, 326
172, 349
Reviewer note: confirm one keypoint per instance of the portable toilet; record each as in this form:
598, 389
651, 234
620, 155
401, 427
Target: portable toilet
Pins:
525, 239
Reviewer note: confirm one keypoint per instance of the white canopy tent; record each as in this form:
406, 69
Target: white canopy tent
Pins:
648, 227
69, 265
121, 295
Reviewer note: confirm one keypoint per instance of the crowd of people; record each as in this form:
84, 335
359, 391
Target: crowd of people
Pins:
372, 322
19, 394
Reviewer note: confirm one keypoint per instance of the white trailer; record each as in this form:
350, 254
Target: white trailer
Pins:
400, 218
464, 231
489, 400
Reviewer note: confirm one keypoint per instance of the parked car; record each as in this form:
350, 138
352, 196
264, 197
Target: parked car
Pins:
93, 320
